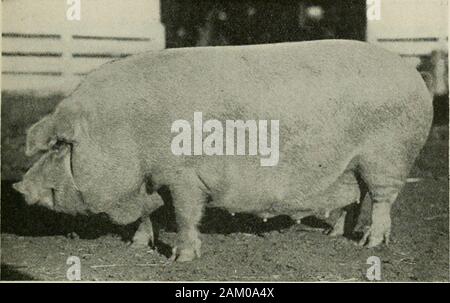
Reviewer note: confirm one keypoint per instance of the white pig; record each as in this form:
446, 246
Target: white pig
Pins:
342, 106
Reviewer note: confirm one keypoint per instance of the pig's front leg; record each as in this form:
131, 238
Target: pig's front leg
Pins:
144, 234
188, 200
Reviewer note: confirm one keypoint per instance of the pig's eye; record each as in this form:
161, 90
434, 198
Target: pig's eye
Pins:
58, 145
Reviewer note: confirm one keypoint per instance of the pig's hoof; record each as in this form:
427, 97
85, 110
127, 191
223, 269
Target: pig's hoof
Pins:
334, 232
138, 245
372, 237
184, 255
141, 240
338, 228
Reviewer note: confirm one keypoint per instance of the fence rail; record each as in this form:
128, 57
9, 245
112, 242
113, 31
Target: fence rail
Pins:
45, 53
411, 28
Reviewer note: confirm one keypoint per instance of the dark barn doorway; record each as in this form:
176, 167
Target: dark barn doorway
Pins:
219, 22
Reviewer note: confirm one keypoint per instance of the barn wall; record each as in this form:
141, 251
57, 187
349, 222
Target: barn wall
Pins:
259, 21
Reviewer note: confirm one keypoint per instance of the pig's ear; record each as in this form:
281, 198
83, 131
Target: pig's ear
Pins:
40, 136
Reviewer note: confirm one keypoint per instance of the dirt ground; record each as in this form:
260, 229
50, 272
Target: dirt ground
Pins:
36, 243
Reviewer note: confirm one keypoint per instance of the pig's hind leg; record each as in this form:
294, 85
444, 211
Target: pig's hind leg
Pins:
338, 227
345, 194
347, 220
384, 168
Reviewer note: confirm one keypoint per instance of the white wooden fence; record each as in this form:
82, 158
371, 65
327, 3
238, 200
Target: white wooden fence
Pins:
412, 28
44, 52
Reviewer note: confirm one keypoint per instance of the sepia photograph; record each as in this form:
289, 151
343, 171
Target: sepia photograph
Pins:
224, 141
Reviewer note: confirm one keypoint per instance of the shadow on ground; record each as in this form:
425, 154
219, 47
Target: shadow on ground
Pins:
13, 273
31, 220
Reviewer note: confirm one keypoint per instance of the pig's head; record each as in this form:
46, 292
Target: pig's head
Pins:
49, 182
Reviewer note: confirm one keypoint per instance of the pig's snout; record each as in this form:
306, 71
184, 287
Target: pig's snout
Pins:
35, 196
20, 187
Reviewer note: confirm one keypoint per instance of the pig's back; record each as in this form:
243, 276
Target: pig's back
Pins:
305, 81
324, 92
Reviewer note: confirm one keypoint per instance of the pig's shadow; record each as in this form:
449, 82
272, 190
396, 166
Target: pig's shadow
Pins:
13, 273
29, 220
24, 220
219, 221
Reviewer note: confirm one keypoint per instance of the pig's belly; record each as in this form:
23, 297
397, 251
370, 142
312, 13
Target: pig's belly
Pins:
269, 192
